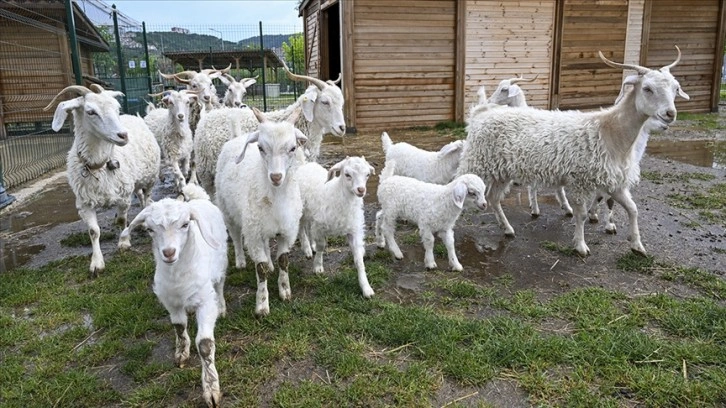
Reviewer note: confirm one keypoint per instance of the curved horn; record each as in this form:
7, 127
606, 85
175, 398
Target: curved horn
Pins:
226, 70
295, 77
521, 79
673, 64
166, 76
157, 94
80, 90
230, 77
182, 80
188, 74
96, 88
340, 77
638, 68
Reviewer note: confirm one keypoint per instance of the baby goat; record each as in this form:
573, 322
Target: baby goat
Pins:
433, 207
189, 246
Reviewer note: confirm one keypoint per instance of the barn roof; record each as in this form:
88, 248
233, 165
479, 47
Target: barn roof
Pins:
197, 60
44, 14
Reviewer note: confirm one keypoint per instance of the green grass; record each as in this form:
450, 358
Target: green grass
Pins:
702, 120
69, 340
710, 204
456, 129
660, 178
561, 249
80, 239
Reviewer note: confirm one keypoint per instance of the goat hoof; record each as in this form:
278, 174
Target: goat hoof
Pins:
594, 220
639, 251
535, 215
213, 399
569, 214
611, 231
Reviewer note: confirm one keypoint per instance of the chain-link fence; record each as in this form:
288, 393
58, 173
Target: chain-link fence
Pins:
46, 46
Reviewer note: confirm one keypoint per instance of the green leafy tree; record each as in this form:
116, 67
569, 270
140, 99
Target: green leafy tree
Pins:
294, 49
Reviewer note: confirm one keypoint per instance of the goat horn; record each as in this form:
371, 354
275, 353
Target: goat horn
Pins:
641, 70
673, 64
230, 77
182, 80
188, 74
80, 90
318, 82
226, 70
521, 79
166, 76
340, 77
157, 94
96, 88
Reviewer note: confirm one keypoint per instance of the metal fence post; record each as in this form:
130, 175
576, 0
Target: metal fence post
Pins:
5, 198
121, 66
71, 27
146, 54
292, 60
264, 83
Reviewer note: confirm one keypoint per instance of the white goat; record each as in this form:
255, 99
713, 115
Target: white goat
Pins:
189, 245
322, 107
170, 126
260, 198
508, 93
585, 151
236, 92
433, 207
334, 206
112, 157
431, 167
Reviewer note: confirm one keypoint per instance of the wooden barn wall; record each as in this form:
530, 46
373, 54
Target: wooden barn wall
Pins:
634, 34
20, 102
693, 26
311, 20
588, 27
404, 62
508, 39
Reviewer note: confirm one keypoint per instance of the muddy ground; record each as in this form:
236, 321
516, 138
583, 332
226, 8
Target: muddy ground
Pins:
31, 229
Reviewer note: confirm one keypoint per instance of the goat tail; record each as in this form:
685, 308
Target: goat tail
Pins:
386, 141
194, 192
388, 170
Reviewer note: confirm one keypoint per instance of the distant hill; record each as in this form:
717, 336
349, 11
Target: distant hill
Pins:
169, 41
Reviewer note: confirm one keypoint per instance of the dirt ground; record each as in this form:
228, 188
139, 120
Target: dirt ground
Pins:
30, 230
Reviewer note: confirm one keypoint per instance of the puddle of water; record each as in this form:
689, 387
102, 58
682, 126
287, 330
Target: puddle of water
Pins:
15, 257
56, 206
703, 153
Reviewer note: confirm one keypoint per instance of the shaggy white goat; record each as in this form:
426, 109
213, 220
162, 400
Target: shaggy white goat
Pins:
112, 157
322, 107
260, 198
170, 126
508, 93
433, 207
333, 205
431, 167
585, 151
236, 92
189, 245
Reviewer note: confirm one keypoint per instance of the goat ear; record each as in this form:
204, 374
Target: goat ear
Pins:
450, 148
682, 94
61, 112
259, 115
459, 194
337, 167
225, 81
372, 169
249, 82
300, 137
251, 138
631, 80
293, 116
204, 228
216, 75
308, 103
124, 240
513, 91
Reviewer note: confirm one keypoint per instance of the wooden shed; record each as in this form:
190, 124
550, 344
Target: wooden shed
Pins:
418, 62
35, 58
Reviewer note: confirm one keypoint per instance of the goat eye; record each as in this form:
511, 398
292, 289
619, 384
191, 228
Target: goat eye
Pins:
472, 193
185, 225
292, 149
262, 150
348, 176
91, 112
326, 102
648, 89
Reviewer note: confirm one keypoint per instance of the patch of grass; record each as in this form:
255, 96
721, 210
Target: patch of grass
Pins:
660, 178
703, 120
455, 129
69, 340
81, 239
555, 247
711, 204
705, 281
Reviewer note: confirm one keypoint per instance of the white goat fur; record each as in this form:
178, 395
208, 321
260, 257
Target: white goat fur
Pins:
189, 243
322, 107
585, 151
170, 126
433, 207
104, 139
432, 167
260, 198
333, 206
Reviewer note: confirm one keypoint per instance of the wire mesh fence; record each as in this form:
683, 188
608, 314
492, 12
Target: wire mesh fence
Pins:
38, 60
